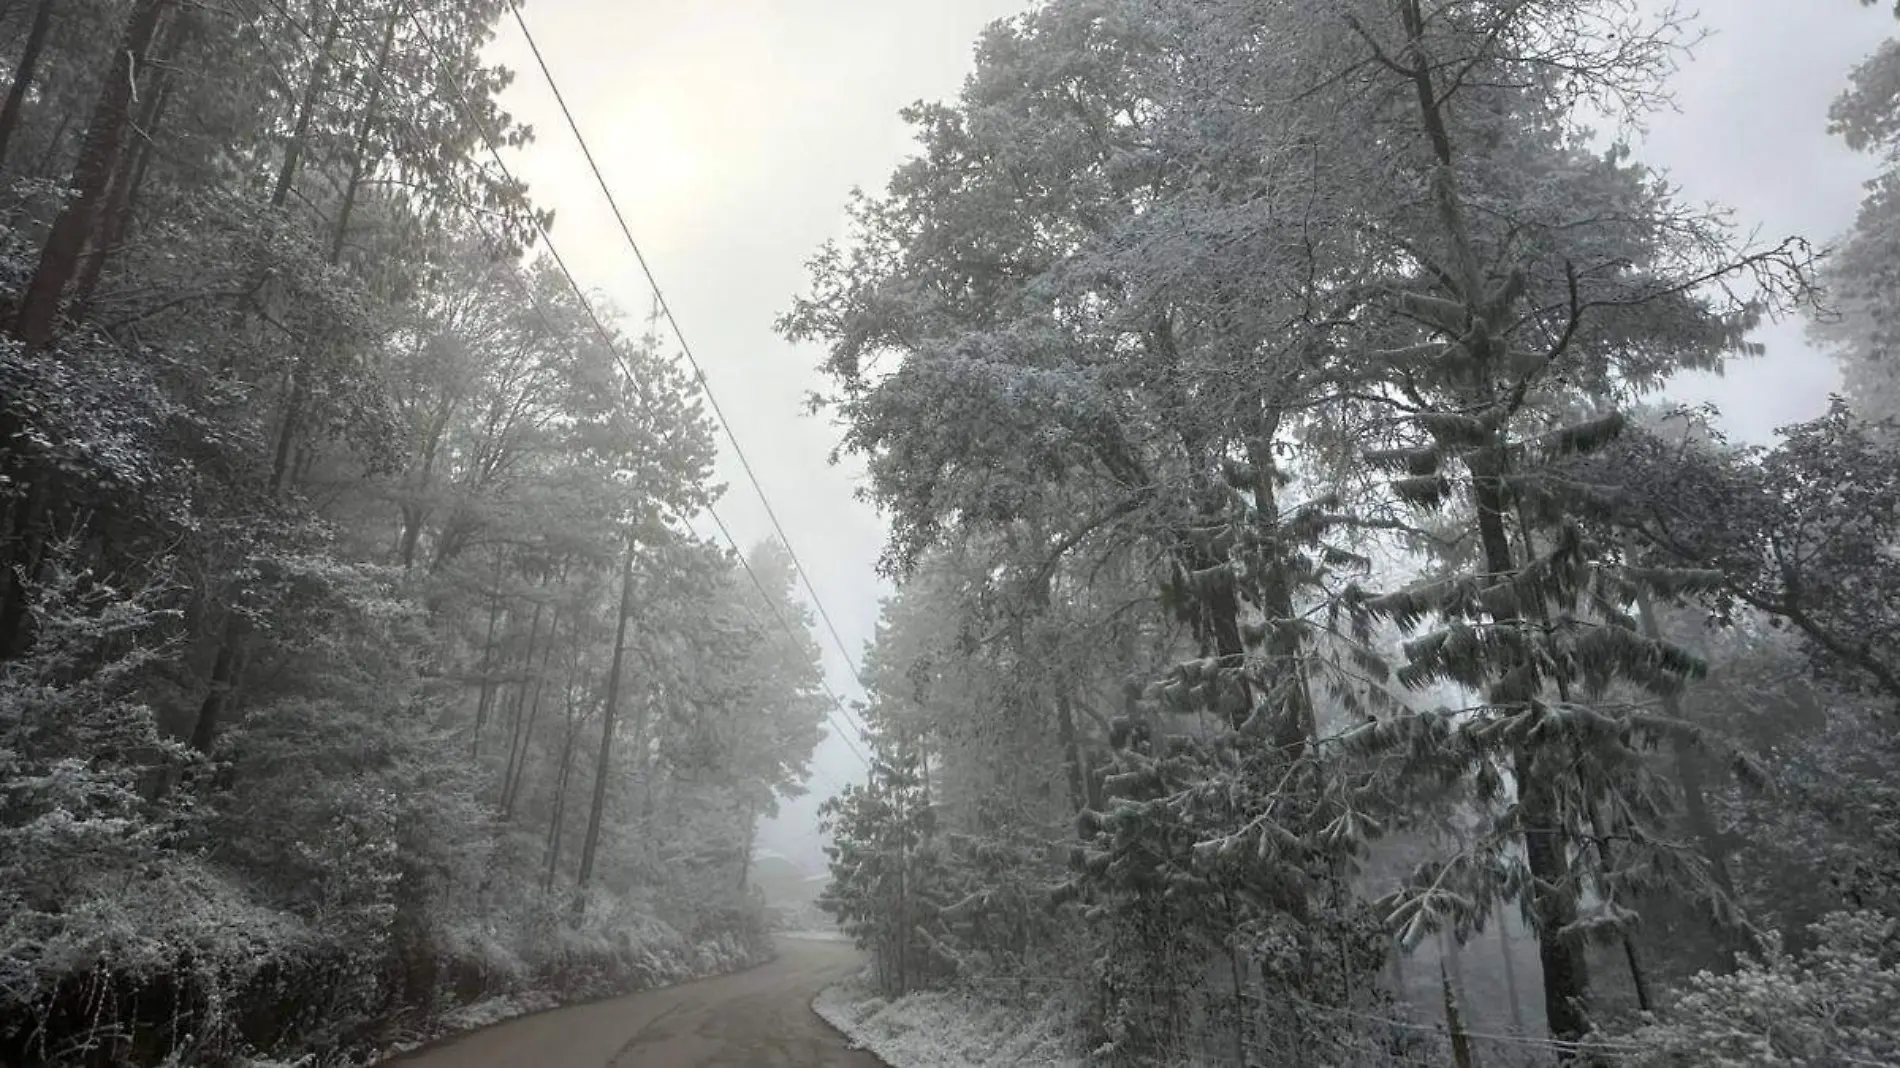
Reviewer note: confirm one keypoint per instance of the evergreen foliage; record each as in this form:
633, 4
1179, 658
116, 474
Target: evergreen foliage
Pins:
1254, 390
323, 504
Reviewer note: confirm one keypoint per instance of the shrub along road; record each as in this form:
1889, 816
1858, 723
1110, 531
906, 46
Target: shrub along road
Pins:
760, 1018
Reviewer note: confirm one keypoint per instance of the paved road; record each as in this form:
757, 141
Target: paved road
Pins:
756, 1019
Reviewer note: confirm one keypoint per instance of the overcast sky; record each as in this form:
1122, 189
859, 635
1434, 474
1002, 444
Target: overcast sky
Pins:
732, 130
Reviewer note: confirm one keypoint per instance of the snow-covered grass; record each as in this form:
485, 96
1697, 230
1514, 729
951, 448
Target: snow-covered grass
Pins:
951, 1029
491, 1011
663, 962
471, 1017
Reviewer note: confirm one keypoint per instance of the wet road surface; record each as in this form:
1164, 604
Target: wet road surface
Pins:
756, 1019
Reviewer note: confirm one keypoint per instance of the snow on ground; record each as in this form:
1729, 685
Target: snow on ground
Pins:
471, 1017
950, 1029
706, 960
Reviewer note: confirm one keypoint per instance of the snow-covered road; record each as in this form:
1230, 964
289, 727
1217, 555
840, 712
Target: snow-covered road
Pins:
756, 1019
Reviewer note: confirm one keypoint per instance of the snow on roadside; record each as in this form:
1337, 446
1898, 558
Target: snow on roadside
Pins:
949, 1029
706, 960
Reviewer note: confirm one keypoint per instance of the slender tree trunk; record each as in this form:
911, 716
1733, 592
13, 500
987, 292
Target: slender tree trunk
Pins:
751, 837
1239, 1002
1553, 903
127, 180
534, 713
515, 717
642, 772
1510, 970
359, 153
287, 427
1639, 979
1298, 726
43, 166
1690, 770
295, 395
903, 887
1071, 752
1462, 1055
1566, 976
306, 112
1452, 956
24, 72
119, 201
557, 819
224, 674
99, 156
416, 513
24, 539
488, 659
603, 765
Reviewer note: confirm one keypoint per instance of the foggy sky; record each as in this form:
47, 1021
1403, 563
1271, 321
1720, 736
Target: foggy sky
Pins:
732, 130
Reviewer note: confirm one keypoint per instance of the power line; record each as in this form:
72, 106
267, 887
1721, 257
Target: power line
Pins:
613, 348
666, 310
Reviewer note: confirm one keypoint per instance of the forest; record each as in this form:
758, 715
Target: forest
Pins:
1318, 639
360, 666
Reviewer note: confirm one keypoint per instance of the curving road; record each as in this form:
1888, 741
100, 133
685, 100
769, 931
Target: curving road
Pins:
755, 1019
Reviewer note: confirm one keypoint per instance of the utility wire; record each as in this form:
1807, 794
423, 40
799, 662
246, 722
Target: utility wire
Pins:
666, 310
613, 347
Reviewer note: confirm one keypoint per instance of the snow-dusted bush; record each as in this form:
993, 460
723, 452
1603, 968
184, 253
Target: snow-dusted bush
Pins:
956, 1028
98, 905
328, 882
1838, 1004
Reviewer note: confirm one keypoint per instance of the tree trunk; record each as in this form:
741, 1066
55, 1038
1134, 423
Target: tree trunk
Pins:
745, 854
23, 74
43, 167
1298, 725
415, 513
287, 430
1510, 970
99, 156
21, 560
1566, 975
224, 675
903, 885
590, 845
127, 180
1462, 1055
1072, 753
1689, 772
515, 717
1565, 969
557, 819
513, 794
1239, 979
642, 773
488, 660
1453, 956
359, 152
1639, 980
1565, 972
294, 392
306, 112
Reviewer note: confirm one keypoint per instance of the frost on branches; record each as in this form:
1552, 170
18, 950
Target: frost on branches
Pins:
358, 665
1290, 574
